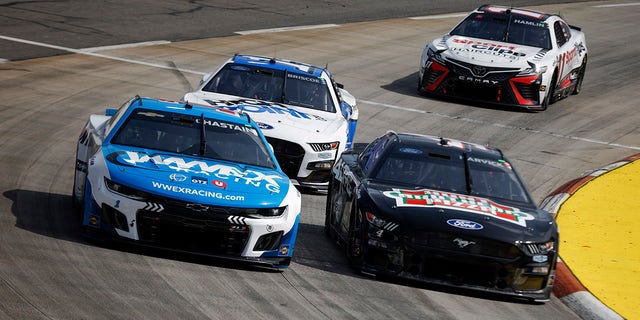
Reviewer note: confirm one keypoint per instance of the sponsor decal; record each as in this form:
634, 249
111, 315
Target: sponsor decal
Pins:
464, 224
487, 48
441, 199
264, 126
284, 250
540, 258
197, 207
325, 155
497, 164
191, 191
411, 150
222, 172
229, 126
537, 24
259, 106
177, 177
478, 80
94, 220
219, 184
303, 78
199, 180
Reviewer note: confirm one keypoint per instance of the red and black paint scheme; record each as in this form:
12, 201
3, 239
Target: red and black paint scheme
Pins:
506, 56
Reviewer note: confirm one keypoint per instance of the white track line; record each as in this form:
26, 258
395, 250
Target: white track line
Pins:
283, 29
389, 106
441, 16
618, 5
93, 54
503, 126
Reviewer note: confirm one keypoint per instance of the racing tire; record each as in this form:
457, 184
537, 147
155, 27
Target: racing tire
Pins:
548, 99
352, 236
583, 69
327, 210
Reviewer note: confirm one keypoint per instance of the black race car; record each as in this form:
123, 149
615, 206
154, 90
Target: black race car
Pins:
441, 211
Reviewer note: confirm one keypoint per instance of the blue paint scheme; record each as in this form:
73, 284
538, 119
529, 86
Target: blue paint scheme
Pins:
258, 186
288, 239
284, 65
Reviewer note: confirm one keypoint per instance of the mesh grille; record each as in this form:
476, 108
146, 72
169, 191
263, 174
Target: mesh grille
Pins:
288, 154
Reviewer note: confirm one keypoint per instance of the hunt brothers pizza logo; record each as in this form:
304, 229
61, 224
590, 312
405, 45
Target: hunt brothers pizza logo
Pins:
439, 199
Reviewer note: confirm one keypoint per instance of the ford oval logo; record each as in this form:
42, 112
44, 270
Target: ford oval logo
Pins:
264, 126
464, 224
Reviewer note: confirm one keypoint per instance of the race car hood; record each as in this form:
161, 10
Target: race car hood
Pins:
277, 119
194, 179
486, 52
425, 209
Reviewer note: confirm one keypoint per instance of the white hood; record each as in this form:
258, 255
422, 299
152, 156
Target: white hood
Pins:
487, 52
277, 119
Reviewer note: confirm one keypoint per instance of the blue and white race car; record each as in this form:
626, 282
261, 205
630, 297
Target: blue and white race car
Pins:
186, 177
307, 117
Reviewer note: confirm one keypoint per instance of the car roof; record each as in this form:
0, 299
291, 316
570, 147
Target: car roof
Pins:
512, 10
191, 109
448, 146
278, 64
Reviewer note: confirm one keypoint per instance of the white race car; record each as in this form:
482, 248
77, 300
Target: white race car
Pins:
307, 117
506, 56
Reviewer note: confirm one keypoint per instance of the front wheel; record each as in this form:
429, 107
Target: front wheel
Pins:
548, 98
583, 69
353, 246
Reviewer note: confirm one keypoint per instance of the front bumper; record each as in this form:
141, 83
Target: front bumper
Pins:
488, 265
308, 166
496, 86
185, 227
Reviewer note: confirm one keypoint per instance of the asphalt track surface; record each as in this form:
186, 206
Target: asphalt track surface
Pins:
48, 272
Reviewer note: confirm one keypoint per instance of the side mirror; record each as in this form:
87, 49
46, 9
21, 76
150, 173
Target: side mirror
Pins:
110, 112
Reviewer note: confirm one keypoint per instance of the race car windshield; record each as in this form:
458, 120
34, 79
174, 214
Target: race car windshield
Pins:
495, 179
272, 85
511, 28
185, 134
422, 168
413, 166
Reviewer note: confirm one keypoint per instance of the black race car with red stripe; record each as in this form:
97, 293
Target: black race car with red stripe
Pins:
441, 211
506, 56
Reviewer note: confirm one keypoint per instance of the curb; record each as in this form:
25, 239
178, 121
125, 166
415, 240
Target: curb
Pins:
567, 287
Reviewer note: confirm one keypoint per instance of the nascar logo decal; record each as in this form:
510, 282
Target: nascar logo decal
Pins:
440, 199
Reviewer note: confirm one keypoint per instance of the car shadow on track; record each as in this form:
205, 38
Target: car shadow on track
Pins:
408, 85
54, 216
